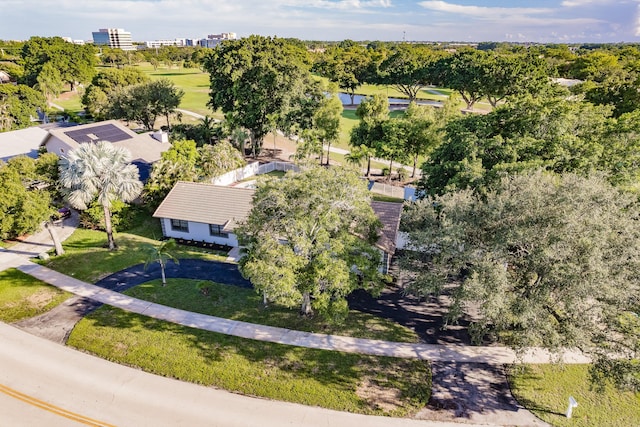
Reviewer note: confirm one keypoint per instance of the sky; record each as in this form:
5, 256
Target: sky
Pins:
545, 21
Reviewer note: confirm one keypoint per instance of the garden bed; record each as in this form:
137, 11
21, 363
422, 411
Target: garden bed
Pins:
204, 245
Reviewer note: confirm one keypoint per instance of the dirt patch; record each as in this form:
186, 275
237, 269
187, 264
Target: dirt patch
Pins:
379, 397
40, 299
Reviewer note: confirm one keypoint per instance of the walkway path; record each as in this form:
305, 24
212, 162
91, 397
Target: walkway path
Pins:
433, 352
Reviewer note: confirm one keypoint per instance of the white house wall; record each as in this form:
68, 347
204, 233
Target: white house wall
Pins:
198, 232
55, 145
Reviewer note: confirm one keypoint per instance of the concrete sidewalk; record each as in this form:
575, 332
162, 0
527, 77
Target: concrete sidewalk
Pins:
40, 241
432, 352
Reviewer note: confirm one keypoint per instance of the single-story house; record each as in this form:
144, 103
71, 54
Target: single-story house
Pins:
145, 148
210, 213
204, 212
22, 142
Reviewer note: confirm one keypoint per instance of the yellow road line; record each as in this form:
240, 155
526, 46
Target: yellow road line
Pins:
52, 408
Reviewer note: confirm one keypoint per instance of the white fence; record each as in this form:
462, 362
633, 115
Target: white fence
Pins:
404, 193
252, 169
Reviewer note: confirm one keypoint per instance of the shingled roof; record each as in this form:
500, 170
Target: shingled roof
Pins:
213, 204
389, 214
207, 204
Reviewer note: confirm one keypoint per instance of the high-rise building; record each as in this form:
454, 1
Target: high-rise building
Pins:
113, 37
214, 40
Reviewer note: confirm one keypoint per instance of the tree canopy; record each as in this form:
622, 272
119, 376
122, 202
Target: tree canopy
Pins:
309, 239
541, 261
23, 208
348, 66
75, 63
105, 84
408, 68
145, 102
255, 82
18, 104
555, 133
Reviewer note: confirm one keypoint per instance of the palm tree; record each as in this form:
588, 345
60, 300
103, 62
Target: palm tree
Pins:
99, 170
161, 254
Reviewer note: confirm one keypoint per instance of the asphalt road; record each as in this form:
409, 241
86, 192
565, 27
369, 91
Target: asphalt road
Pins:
46, 384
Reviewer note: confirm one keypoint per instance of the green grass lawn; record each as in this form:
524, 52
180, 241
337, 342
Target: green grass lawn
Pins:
232, 302
194, 82
545, 390
87, 259
22, 296
340, 381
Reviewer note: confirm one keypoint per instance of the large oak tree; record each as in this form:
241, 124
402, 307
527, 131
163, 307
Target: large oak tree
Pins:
541, 261
309, 239
256, 81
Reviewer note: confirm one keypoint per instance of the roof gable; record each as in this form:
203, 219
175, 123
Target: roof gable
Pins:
207, 204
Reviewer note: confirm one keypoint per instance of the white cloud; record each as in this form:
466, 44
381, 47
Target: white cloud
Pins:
578, 3
480, 11
346, 4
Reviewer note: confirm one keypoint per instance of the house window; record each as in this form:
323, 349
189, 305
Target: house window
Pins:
385, 262
216, 230
180, 225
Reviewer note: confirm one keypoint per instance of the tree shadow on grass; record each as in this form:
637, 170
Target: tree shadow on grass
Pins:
217, 359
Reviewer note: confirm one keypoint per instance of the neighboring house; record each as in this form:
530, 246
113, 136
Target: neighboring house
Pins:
210, 213
145, 148
21, 142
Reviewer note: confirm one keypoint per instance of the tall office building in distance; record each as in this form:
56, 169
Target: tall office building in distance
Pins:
113, 37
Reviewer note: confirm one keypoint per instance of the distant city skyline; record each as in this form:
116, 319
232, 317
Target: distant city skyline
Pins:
546, 21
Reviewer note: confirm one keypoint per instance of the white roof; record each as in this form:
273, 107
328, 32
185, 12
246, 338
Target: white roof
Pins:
21, 142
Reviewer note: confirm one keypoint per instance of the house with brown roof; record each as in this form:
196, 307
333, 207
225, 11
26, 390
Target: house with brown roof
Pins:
204, 212
145, 148
210, 214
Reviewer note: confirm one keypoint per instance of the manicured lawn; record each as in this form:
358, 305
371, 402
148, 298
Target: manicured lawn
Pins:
232, 302
545, 390
70, 103
194, 82
340, 381
22, 296
86, 259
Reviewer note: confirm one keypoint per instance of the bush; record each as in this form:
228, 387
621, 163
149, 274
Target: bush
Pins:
123, 216
204, 286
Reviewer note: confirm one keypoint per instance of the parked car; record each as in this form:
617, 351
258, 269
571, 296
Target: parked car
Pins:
64, 213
